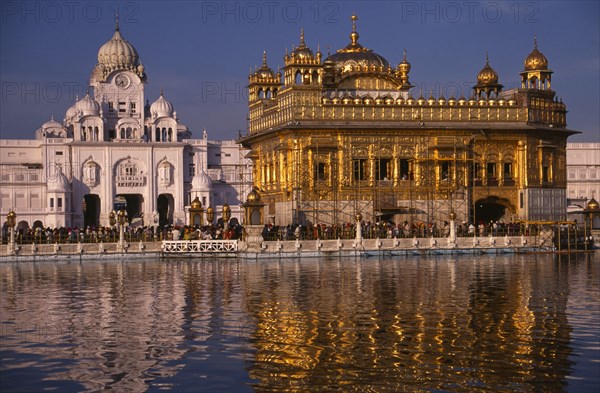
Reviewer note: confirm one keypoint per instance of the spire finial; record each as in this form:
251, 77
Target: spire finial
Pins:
87, 91
265, 57
161, 91
354, 18
302, 37
404, 54
535, 41
487, 59
354, 35
117, 18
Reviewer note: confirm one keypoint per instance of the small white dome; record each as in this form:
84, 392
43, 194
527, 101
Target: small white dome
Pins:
118, 53
52, 124
58, 182
87, 106
201, 182
161, 107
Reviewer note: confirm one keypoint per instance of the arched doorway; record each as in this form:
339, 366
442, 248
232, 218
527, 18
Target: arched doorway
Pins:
164, 206
493, 209
132, 203
91, 210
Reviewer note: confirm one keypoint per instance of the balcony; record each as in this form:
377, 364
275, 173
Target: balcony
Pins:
131, 181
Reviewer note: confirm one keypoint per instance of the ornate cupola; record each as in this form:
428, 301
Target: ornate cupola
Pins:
302, 67
355, 67
536, 74
117, 54
356, 58
487, 82
402, 72
263, 84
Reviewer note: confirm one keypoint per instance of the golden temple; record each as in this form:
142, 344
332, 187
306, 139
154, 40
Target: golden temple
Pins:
336, 137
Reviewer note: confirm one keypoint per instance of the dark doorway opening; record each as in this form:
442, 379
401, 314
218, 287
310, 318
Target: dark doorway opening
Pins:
132, 203
91, 210
164, 206
491, 209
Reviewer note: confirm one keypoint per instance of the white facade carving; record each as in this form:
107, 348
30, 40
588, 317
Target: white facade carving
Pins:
583, 173
116, 150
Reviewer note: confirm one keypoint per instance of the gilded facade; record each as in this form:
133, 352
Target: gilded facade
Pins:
333, 137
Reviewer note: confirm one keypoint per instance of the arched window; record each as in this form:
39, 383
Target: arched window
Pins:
128, 133
315, 78
306, 78
268, 94
165, 172
164, 134
83, 133
157, 134
298, 78
96, 133
170, 134
122, 133
90, 173
261, 93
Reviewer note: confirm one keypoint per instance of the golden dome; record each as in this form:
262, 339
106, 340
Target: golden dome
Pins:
355, 55
404, 66
302, 51
226, 207
592, 204
487, 75
264, 71
253, 196
196, 204
536, 60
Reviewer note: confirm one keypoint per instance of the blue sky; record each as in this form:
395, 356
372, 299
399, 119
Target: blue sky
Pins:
200, 52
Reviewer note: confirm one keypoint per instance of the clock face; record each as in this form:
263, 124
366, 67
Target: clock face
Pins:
122, 81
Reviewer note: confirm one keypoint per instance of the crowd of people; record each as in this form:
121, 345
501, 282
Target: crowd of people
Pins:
108, 234
389, 229
271, 232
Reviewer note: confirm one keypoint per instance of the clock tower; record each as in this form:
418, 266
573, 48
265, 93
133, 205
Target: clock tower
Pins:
118, 81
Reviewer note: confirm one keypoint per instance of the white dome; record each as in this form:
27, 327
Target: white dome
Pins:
161, 107
201, 182
52, 124
87, 106
118, 53
71, 112
58, 182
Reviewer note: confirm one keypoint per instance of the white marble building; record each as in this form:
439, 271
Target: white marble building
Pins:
115, 150
583, 177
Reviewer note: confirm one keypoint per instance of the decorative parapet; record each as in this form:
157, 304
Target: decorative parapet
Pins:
199, 246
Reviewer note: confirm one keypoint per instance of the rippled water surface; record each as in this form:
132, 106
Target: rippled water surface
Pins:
459, 324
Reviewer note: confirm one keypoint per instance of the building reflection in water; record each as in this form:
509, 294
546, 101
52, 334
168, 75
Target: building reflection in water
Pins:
456, 324
117, 323
459, 325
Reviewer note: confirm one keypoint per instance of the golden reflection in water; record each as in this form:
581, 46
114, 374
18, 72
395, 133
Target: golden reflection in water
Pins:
461, 326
